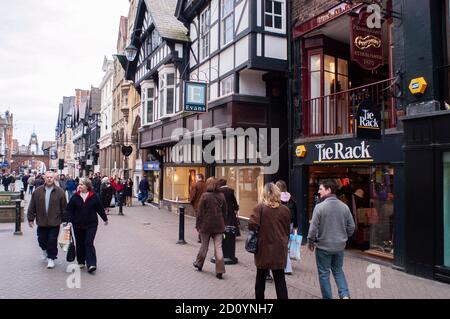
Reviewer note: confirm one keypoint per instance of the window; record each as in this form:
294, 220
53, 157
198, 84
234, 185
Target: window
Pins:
227, 21
166, 93
178, 181
148, 103
204, 34
227, 86
274, 15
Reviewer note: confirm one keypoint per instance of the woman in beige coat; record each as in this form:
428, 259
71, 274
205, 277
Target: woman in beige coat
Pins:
272, 221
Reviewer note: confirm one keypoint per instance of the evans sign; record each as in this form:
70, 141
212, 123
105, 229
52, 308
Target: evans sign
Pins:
338, 153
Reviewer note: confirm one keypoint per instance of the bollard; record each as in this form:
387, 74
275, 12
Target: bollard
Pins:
181, 240
18, 221
120, 204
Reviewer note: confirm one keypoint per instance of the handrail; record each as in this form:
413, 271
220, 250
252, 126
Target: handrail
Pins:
353, 89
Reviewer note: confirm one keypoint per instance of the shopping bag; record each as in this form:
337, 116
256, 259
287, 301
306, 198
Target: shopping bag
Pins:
71, 252
295, 244
64, 235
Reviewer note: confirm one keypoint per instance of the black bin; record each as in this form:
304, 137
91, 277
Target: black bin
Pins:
229, 246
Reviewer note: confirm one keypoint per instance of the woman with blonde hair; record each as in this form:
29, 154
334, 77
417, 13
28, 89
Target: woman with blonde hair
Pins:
272, 222
211, 223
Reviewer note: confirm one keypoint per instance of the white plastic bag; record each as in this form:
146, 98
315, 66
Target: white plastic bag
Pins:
295, 244
64, 235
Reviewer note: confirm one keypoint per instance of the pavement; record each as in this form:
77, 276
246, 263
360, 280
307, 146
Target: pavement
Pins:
139, 258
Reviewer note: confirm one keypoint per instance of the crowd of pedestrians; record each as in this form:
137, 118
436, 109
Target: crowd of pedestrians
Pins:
60, 199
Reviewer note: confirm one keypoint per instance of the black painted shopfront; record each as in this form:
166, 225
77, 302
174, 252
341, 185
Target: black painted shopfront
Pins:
370, 176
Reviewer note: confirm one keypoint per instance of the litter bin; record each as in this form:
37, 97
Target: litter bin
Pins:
229, 246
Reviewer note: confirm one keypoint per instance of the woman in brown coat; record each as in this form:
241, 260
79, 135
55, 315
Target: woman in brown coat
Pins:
210, 223
272, 221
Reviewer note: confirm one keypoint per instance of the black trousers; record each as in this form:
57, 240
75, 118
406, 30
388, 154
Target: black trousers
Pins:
48, 240
280, 283
84, 241
25, 187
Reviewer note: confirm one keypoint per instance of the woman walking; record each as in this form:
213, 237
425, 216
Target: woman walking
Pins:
106, 193
128, 192
211, 223
82, 212
288, 200
271, 220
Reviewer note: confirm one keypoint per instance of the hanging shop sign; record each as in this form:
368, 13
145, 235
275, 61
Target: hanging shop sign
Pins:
195, 99
366, 42
151, 166
127, 150
368, 121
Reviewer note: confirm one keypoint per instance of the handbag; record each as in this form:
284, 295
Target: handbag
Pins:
251, 243
71, 252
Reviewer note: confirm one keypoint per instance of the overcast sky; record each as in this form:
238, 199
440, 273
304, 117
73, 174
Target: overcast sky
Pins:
49, 48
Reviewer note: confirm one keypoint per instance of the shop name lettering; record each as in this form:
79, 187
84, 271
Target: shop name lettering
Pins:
339, 152
368, 120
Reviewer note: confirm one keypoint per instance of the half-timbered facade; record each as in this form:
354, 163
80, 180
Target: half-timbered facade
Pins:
239, 50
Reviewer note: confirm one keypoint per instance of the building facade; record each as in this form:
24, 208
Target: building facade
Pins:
105, 141
64, 137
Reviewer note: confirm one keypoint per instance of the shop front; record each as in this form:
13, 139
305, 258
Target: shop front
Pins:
369, 175
153, 172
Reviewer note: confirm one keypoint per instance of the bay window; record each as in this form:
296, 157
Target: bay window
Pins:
148, 102
227, 21
227, 85
166, 92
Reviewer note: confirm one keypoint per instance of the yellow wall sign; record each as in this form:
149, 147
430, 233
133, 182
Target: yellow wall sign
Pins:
418, 86
301, 151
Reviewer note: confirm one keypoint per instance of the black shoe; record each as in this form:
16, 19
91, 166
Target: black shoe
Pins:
198, 267
91, 269
269, 278
219, 276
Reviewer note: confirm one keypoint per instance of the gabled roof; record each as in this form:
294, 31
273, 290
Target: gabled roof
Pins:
167, 25
95, 101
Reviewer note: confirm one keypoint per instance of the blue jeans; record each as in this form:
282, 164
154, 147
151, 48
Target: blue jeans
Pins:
334, 261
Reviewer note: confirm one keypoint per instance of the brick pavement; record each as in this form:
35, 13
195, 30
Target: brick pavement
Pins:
138, 258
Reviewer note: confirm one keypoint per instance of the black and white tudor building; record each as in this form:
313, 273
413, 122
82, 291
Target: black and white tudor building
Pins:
239, 48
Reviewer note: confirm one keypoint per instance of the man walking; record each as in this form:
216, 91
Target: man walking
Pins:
195, 193
144, 188
47, 206
331, 226
25, 182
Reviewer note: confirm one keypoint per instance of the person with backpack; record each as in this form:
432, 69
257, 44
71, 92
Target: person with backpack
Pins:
288, 200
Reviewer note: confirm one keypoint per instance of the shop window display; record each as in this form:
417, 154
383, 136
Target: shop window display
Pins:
369, 193
247, 182
177, 182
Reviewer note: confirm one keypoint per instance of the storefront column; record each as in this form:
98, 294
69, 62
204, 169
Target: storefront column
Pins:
299, 188
399, 217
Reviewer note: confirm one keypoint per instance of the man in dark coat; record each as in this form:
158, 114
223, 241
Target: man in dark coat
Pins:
25, 182
195, 193
47, 206
144, 188
232, 205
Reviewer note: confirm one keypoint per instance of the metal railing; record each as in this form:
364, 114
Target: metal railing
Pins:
334, 114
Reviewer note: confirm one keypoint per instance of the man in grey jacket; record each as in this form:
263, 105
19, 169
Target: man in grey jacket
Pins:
331, 226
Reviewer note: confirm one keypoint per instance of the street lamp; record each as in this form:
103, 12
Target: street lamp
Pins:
131, 52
